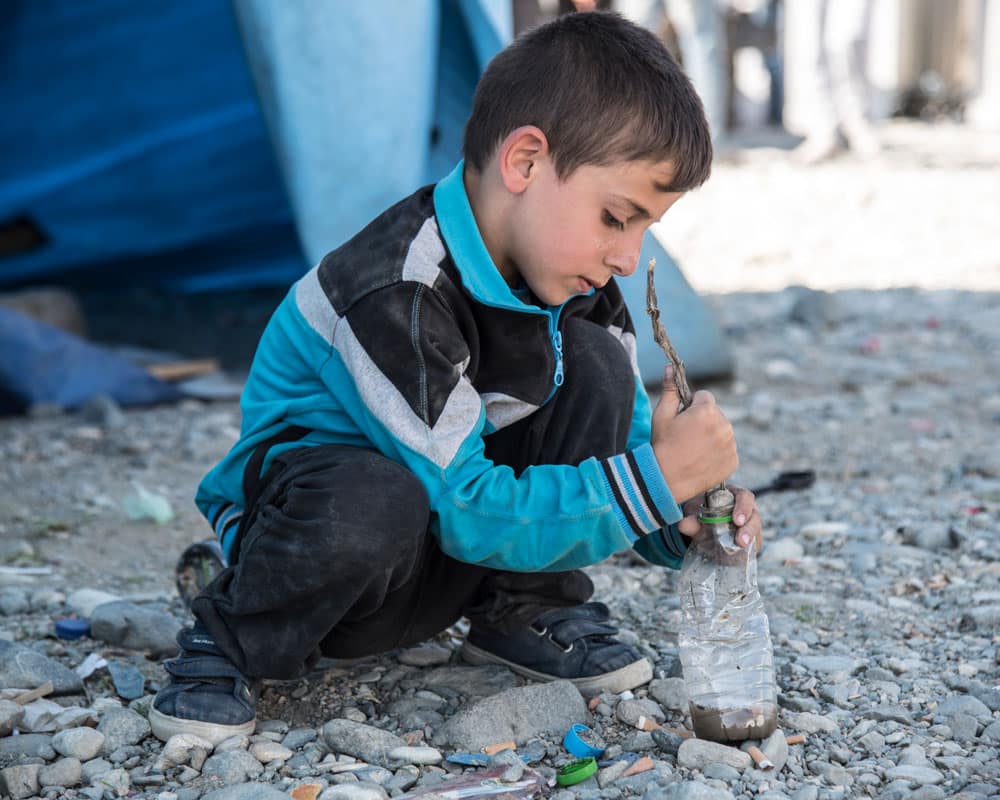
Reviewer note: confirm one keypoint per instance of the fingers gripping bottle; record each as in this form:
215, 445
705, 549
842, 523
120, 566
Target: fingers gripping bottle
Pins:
724, 639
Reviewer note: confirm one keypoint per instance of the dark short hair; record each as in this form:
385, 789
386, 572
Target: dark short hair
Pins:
602, 89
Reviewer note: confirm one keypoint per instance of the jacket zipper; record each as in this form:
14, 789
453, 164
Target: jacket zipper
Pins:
556, 337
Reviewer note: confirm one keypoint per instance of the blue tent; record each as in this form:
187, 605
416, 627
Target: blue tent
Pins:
203, 144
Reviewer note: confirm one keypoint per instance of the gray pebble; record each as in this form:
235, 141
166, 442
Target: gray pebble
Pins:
80, 743
135, 627
232, 766
19, 781
671, 693
243, 791
122, 727
64, 772
917, 775
699, 753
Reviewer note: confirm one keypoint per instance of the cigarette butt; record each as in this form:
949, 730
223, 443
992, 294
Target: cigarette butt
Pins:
684, 734
593, 703
759, 758
641, 765
645, 724
493, 749
795, 738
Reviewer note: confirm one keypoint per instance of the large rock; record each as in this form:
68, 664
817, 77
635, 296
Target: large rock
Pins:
127, 625
23, 668
546, 709
246, 791
700, 753
362, 741
688, 790
84, 601
20, 781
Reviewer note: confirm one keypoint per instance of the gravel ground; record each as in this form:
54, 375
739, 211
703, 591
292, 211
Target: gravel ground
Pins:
882, 581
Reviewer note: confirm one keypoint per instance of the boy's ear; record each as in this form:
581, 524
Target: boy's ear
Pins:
521, 154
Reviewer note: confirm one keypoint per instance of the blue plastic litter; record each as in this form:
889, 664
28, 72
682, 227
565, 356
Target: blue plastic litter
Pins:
72, 628
478, 759
128, 681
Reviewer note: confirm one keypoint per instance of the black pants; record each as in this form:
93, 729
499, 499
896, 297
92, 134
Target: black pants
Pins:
335, 556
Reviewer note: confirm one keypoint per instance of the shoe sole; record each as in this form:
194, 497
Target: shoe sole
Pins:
165, 726
628, 677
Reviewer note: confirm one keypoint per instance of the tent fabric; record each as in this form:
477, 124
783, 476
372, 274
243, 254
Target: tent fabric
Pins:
132, 130
364, 107
204, 144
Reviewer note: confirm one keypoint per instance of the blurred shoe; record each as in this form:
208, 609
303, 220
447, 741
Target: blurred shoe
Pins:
816, 149
197, 567
861, 139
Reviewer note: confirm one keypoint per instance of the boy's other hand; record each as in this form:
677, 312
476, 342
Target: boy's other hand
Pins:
696, 450
745, 515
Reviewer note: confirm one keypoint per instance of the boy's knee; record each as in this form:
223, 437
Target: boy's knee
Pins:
345, 499
595, 357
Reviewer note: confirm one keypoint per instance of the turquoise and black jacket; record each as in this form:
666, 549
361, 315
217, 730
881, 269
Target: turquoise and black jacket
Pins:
407, 340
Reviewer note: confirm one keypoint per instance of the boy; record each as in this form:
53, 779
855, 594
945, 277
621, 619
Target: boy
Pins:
445, 418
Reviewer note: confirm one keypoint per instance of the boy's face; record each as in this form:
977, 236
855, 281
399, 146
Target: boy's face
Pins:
567, 236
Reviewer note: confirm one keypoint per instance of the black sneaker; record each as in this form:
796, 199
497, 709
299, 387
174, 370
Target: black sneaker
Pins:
206, 696
575, 643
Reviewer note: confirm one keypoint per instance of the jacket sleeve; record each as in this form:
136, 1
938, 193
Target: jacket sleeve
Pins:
398, 366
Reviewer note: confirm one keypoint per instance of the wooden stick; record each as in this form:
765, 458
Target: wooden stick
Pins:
493, 749
661, 338
34, 694
643, 764
178, 370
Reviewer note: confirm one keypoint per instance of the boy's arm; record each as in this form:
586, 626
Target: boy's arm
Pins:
398, 364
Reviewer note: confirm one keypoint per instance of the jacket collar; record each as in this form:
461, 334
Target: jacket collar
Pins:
458, 227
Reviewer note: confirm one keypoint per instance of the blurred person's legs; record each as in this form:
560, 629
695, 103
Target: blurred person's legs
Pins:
839, 79
702, 39
846, 45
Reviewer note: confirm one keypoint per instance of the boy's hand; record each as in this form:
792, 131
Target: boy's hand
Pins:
696, 450
745, 515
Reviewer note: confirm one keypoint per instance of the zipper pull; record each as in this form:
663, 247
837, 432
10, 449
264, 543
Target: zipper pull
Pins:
557, 343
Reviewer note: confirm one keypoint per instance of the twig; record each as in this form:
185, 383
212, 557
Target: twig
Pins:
661, 338
34, 694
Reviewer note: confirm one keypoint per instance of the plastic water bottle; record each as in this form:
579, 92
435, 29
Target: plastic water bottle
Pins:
725, 639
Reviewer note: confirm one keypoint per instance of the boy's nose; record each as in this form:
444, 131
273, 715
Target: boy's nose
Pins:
623, 263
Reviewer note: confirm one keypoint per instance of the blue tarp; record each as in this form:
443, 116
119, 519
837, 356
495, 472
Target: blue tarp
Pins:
132, 138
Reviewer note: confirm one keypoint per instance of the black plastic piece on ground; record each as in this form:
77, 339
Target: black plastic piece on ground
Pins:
786, 481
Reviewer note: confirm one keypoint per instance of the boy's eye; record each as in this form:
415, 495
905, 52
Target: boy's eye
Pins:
613, 222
